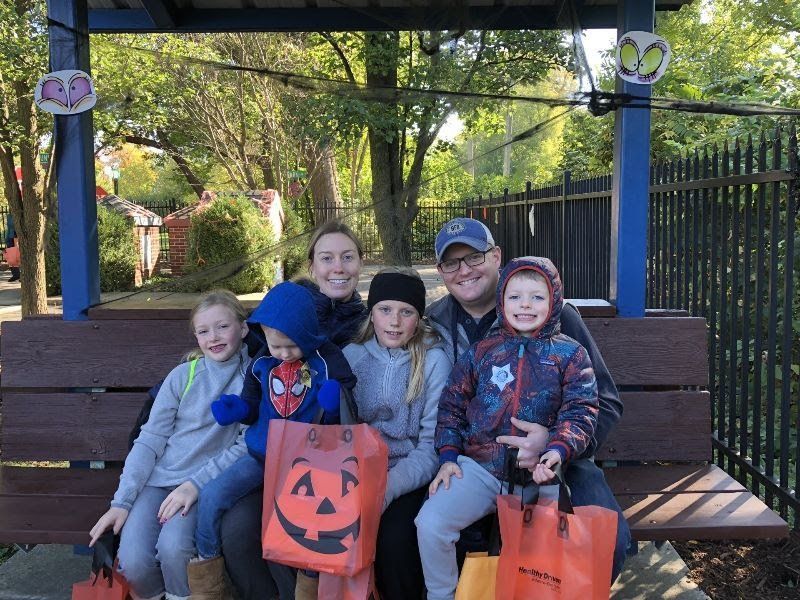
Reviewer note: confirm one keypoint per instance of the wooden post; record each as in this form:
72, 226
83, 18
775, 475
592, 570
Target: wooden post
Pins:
77, 208
630, 195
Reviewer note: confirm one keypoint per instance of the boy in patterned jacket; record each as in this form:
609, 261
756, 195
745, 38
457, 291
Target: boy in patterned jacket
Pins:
528, 371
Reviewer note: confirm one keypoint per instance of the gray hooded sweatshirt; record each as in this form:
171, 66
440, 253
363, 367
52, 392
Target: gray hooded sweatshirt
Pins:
407, 428
181, 441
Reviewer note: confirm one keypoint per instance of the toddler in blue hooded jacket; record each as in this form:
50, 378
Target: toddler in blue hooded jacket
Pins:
298, 376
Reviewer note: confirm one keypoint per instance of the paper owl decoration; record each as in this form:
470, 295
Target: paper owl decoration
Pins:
642, 57
65, 92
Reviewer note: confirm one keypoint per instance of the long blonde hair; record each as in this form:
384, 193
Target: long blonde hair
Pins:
216, 297
424, 338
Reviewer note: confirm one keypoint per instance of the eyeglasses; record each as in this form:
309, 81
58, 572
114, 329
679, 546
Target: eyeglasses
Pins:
471, 260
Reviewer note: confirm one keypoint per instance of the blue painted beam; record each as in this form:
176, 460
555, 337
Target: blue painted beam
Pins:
348, 19
74, 156
630, 196
161, 13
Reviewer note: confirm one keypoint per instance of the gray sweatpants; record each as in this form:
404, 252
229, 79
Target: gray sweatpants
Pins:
153, 557
442, 518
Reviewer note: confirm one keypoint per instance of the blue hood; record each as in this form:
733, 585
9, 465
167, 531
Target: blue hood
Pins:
289, 308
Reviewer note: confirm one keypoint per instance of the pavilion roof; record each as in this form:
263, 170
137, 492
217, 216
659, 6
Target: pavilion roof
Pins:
144, 16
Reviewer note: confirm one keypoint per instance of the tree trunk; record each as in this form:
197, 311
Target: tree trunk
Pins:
28, 210
323, 182
389, 200
388, 195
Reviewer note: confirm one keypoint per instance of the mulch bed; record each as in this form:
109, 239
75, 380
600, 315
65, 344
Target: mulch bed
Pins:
757, 569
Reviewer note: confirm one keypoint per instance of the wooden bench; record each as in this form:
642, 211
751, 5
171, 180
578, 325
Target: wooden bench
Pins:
71, 391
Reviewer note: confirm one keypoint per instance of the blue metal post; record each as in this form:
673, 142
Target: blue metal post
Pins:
74, 156
630, 196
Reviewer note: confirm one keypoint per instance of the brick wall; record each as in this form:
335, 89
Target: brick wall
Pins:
178, 243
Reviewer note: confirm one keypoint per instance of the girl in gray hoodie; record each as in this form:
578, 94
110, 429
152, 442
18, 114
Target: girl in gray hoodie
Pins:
400, 374
179, 450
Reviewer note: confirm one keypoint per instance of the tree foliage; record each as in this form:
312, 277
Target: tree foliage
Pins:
728, 50
230, 230
23, 132
401, 132
117, 248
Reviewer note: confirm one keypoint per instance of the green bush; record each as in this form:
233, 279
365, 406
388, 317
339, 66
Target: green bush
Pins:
117, 248
228, 233
293, 244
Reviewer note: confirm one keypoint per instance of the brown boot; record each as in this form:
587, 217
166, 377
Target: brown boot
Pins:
306, 587
207, 579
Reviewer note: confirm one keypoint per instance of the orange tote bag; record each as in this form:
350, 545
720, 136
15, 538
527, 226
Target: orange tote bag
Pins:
552, 550
323, 493
11, 254
105, 582
360, 586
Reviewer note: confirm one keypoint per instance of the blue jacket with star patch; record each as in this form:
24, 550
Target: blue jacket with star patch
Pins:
268, 392
546, 378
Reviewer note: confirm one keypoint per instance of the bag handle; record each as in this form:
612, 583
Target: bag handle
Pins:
564, 502
105, 553
511, 472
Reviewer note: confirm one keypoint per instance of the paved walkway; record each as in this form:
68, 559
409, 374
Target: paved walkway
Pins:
47, 572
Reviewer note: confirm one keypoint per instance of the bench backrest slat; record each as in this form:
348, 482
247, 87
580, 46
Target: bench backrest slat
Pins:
672, 426
46, 418
653, 351
79, 426
84, 354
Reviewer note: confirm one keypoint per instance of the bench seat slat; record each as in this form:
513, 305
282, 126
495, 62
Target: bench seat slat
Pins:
701, 516
78, 426
640, 434
49, 519
657, 479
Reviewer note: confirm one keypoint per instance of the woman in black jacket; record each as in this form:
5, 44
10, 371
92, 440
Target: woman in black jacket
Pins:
334, 266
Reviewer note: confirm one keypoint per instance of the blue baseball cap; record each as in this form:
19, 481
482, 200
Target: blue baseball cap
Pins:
463, 230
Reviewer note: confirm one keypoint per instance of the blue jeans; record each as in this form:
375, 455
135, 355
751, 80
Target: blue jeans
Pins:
588, 487
219, 495
152, 556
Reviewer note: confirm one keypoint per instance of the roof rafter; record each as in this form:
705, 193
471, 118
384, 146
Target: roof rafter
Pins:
161, 13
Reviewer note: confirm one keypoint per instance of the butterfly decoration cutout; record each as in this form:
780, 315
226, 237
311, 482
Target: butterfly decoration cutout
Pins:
65, 92
642, 57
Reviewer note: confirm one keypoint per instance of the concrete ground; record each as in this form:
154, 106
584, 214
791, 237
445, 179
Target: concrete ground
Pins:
47, 572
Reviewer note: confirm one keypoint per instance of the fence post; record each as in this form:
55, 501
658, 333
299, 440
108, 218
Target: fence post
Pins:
506, 237
528, 238
565, 189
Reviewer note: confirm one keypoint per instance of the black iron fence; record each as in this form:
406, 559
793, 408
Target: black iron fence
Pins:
722, 244
569, 222
430, 218
161, 208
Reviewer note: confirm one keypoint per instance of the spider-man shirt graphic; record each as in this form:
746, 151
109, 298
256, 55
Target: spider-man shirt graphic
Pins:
286, 388
277, 389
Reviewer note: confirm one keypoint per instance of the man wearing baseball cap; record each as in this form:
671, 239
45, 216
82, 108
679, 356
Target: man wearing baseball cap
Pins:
469, 262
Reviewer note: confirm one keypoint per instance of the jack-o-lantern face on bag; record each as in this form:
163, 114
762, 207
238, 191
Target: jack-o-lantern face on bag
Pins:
323, 491
320, 509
